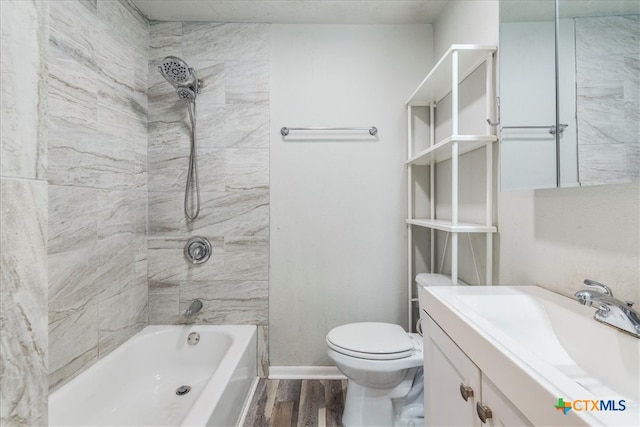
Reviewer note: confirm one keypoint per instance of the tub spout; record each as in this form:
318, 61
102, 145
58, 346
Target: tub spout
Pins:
194, 307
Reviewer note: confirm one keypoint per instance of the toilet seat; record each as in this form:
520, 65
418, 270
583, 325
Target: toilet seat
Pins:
371, 341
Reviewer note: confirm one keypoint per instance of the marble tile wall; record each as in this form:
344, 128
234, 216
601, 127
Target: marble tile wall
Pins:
232, 60
608, 99
23, 214
97, 174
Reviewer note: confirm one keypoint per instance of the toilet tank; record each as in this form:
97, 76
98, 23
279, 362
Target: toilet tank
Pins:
431, 279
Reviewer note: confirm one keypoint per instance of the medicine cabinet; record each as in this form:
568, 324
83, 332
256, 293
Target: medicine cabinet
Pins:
569, 93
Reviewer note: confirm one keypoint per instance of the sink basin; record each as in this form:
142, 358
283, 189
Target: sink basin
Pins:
529, 335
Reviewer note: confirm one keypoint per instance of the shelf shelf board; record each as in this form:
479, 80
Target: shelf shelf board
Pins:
442, 150
437, 84
446, 225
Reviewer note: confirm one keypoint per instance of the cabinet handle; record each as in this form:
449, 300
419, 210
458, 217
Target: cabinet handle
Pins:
466, 391
484, 412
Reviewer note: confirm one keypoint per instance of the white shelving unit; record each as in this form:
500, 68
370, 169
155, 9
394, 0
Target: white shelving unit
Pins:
458, 62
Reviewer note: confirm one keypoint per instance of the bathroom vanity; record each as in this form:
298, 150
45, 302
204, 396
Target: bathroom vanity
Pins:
457, 392
506, 355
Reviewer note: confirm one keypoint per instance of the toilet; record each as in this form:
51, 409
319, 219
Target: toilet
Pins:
381, 361
384, 366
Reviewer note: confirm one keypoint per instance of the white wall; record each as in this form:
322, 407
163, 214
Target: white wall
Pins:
558, 237
338, 201
466, 21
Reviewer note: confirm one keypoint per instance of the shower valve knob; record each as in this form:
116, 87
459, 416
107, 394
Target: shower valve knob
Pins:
197, 250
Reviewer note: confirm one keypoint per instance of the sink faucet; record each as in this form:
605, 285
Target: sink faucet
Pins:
611, 310
194, 307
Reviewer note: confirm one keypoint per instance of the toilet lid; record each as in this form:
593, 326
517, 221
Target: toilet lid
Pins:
371, 340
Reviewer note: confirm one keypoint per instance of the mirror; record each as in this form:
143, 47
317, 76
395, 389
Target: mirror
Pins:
598, 94
605, 42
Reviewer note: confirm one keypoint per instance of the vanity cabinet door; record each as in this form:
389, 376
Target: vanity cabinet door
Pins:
449, 378
503, 412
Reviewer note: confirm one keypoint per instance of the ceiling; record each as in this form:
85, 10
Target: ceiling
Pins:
294, 11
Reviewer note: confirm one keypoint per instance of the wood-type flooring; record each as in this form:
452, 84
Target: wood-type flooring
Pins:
297, 403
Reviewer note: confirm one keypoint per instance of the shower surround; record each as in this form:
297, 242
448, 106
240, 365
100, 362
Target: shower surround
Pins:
97, 173
116, 230
23, 214
94, 155
232, 61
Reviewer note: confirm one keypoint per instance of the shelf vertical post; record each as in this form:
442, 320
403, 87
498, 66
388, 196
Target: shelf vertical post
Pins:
409, 215
490, 95
454, 92
454, 165
432, 187
454, 212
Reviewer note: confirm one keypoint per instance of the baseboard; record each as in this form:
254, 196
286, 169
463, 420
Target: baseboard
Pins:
305, 373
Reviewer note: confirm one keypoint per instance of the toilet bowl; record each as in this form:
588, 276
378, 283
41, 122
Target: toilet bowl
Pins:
381, 361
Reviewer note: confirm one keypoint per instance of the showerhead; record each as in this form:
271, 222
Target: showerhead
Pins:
176, 71
183, 78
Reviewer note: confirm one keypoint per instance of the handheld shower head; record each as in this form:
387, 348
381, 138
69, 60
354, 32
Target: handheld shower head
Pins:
186, 94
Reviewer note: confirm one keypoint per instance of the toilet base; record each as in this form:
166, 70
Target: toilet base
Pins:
373, 407
367, 407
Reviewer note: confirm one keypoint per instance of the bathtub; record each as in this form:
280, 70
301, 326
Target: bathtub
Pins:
136, 384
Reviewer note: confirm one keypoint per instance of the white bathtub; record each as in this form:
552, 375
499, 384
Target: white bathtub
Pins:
136, 384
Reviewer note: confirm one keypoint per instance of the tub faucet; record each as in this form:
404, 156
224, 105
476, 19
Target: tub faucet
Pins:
194, 307
610, 310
